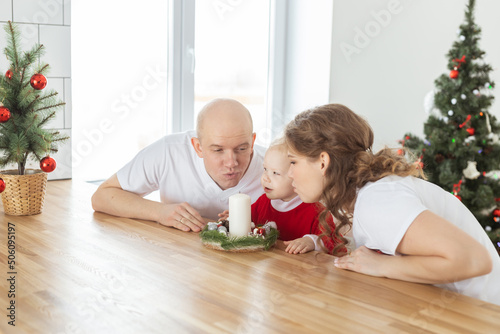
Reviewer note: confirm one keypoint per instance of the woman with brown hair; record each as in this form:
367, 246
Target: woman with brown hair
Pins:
403, 226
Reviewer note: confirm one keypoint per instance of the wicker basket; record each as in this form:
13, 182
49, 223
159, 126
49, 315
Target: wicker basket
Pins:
24, 194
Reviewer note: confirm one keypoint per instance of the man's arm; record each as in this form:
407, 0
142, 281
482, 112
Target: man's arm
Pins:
110, 198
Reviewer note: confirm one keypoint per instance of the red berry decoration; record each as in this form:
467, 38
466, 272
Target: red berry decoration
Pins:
2, 185
38, 81
4, 114
9, 74
47, 164
453, 74
471, 131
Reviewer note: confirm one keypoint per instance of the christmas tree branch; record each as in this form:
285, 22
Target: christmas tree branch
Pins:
37, 156
22, 75
61, 139
52, 94
14, 34
37, 98
49, 107
46, 119
44, 68
5, 160
13, 123
31, 124
31, 56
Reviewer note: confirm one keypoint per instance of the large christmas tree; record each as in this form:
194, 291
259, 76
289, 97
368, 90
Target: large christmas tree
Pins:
461, 149
25, 109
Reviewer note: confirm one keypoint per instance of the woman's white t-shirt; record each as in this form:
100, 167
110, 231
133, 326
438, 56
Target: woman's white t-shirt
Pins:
385, 209
172, 166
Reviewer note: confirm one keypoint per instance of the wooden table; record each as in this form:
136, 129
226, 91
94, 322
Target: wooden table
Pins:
77, 271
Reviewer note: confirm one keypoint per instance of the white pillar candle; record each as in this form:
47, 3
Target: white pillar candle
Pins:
239, 215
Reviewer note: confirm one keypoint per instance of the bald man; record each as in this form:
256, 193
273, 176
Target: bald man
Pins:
195, 172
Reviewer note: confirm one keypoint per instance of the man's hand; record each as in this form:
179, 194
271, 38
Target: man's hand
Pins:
300, 245
110, 198
224, 215
181, 216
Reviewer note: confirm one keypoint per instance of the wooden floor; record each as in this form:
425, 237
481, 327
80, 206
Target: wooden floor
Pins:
77, 271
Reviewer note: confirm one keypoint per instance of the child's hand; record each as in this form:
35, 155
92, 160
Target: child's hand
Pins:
300, 245
224, 215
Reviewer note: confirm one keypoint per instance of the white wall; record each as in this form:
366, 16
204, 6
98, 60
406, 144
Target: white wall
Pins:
390, 76
305, 73
46, 22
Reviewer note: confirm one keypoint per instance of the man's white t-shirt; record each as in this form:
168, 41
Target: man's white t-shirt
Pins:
171, 166
385, 209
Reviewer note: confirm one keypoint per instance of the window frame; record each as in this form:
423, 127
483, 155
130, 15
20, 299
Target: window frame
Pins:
182, 63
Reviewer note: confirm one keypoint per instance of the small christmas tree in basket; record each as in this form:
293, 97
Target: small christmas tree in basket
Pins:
461, 149
24, 111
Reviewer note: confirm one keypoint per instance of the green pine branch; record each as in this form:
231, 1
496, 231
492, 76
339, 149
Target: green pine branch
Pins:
11, 50
49, 107
48, 117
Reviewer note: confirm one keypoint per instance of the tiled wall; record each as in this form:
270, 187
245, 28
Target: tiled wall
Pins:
47, 22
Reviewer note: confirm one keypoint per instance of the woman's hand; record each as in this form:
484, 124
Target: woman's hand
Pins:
363, 260
300, 245
435, 252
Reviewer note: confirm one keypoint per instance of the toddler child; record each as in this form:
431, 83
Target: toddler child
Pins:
297, 222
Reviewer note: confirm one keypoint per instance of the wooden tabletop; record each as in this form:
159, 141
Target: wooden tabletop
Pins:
77, 271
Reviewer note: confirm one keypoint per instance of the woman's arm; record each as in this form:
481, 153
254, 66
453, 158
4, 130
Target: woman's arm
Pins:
435, 251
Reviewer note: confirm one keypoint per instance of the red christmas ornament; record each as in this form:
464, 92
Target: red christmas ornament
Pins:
2, 185
38, 81
471, 131
47, 164
496, 215
453, 74
9, 74
4, 114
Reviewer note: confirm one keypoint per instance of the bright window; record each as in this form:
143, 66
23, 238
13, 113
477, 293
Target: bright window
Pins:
119, 78
231, 52
122, 101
